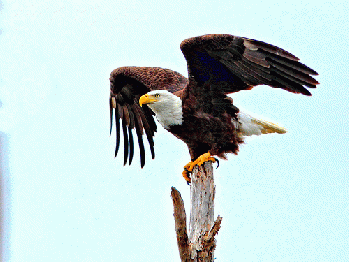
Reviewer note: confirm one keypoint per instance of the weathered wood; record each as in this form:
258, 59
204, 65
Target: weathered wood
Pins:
202, 227
202, 193
209, 242
180, 225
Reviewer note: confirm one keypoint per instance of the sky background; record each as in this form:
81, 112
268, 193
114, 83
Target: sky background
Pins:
66, 198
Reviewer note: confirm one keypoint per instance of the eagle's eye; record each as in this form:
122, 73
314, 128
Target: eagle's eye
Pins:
156, 95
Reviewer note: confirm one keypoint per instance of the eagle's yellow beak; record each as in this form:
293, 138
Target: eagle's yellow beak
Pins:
147, 99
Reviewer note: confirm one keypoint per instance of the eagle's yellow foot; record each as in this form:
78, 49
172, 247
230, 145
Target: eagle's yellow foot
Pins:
188, 168
202, 159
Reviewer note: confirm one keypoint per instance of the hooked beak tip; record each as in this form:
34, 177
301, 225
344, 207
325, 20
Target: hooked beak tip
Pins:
144, 99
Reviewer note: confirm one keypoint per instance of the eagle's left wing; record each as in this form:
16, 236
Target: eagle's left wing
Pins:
240, 63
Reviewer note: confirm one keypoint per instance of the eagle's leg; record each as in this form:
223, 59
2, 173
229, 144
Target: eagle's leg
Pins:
188, 168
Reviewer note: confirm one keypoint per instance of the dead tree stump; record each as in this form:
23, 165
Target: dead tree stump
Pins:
200, 244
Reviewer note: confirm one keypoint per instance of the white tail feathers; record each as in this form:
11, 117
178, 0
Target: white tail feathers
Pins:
248, 126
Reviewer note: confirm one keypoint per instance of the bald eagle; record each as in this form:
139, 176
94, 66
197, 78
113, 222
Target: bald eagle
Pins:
197, 110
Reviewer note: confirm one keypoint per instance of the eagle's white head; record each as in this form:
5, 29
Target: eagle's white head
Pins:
166, 106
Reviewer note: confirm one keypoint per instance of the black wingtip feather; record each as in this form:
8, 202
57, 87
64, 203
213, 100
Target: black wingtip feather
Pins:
152, 152
141, 151
280, 81
290, 63
124, 130
117, 127
139, 131
111, 114
131, 143
130, 127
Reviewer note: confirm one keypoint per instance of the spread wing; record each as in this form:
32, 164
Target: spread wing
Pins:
243, 63
127, 85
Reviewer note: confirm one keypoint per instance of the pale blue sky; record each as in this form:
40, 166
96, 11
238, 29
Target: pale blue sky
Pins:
283, 198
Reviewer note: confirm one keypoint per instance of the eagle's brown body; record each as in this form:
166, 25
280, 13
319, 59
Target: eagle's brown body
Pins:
208, 126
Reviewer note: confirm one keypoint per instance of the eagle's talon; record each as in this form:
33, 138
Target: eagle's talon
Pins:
186, 175
217, 162
187, 172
